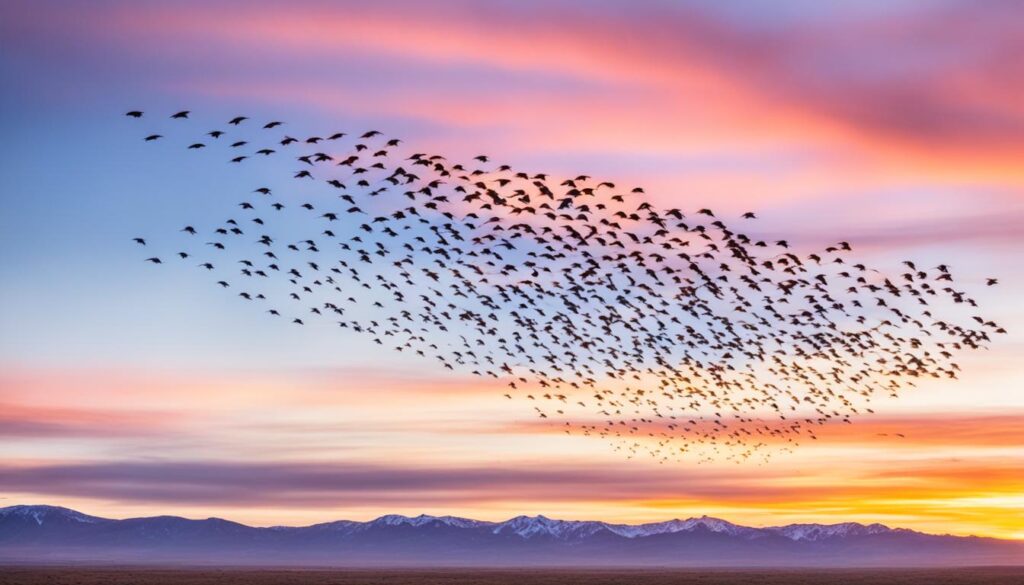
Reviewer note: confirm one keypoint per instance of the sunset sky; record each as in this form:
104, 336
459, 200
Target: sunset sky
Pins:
126, 391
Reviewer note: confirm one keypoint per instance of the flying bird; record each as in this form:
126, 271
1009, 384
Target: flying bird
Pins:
665, 332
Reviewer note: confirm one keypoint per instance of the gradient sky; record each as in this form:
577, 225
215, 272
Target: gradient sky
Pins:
124, 390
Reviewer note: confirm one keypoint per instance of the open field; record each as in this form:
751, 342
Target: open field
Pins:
207, 576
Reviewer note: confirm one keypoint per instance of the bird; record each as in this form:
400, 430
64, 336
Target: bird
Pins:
666, 334
180, 115
139, 241
134, 114
152, 137
237, 120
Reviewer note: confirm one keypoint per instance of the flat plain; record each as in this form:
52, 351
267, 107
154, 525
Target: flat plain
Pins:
248, 576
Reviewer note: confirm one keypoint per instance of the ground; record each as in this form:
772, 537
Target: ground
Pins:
210, 576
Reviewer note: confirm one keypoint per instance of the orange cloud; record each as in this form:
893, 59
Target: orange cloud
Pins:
961, 430
649, 81
685, 77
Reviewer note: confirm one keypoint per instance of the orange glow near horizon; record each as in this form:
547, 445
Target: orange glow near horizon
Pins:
958, 473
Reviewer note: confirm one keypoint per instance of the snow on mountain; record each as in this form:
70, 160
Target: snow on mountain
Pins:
527, 527
47, 533
391, 520
672, 526
42, 514
813, 532
343, 526
424, 519
534, 526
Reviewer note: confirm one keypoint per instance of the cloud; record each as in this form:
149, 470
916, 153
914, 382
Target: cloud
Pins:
923, 78
961, 430
917, 84
211, 391
291, 483
21, 421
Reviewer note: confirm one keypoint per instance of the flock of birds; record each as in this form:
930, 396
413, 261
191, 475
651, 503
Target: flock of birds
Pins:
667, 332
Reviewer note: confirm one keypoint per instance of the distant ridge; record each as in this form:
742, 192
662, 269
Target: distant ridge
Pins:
52, 534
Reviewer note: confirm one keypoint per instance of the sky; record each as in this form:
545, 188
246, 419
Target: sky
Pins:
127, 391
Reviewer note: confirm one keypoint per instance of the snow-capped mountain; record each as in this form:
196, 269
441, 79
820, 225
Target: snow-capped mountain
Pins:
672, 526
541, 526
822, 531
53, 534
422, 519
43, 514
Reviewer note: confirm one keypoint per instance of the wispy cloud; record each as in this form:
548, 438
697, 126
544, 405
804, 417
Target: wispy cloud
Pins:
201, 482
17, 420
962, 430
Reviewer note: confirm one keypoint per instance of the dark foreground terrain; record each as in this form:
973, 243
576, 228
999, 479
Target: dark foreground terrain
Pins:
205, 576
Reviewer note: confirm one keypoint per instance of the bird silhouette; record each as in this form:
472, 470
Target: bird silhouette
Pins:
666, 333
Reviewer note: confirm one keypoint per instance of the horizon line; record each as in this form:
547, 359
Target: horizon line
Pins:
499, 522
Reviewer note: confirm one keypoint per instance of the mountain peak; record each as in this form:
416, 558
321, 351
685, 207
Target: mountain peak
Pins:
524, 526
709, 523
422, 519
42, 513
823, 531
714, 524
47, 532
540, 525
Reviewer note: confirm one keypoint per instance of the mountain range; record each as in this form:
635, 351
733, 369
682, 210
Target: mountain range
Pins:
51, 534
